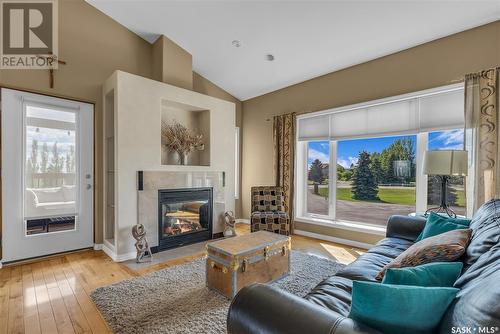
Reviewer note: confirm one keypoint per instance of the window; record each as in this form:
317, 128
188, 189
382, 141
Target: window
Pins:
447, 140
50, 170
375, 178
361, 163
318, 159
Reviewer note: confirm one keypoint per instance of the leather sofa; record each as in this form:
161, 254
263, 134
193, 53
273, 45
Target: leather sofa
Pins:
261, 308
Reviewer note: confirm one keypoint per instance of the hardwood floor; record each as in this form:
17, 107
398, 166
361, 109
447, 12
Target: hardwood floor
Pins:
52, 295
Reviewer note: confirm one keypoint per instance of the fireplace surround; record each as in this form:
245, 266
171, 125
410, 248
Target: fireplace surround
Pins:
184, 216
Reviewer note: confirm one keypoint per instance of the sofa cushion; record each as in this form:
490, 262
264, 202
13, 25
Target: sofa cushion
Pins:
437, 224
444, 247
440, 274
400, 309
69, 193
485, 227
477, 302
368, 265
48, 195
333, 293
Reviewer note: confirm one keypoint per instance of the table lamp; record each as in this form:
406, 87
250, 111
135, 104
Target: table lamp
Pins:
444, 164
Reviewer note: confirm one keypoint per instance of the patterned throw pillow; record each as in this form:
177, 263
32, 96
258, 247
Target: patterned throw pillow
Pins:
444, 247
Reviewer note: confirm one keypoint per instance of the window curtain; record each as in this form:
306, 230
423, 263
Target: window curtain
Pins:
482, 136
284, 158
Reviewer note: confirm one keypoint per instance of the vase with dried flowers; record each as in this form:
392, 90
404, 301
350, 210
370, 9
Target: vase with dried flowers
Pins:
176, 137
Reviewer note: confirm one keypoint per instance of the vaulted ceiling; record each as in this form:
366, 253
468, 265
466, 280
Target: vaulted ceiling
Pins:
306, 38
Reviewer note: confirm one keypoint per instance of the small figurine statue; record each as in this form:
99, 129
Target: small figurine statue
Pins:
141, 245
230, 221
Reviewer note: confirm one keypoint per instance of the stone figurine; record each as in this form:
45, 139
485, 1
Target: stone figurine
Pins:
141, 245
230, 221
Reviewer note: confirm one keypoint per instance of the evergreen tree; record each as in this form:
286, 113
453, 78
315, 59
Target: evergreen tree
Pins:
316, 172
29, 173
44, 158
376, 168
34, 156
68, 162
401, 149
57, 161
364, 184
72, 157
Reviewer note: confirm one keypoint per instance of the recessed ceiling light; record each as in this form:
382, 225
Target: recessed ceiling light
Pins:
269, 57
236, 43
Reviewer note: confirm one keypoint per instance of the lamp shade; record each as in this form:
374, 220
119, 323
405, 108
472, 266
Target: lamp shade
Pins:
445, 162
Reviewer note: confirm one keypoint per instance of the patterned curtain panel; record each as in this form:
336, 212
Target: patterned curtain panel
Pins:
482, 136
284, 158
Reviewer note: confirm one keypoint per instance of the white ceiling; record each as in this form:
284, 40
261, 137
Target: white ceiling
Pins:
307, 38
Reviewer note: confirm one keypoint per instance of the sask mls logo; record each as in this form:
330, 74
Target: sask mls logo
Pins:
28, 34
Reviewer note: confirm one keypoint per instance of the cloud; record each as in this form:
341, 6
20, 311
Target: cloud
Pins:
451, 137
346, 163
325, 145
315, 154
452, 147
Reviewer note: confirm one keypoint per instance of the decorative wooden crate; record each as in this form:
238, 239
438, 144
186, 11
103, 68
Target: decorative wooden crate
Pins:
236, 262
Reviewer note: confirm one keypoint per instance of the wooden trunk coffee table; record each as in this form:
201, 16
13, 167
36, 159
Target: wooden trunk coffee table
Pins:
236, 262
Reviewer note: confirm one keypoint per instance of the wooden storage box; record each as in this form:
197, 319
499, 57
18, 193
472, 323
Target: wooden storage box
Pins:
236, 262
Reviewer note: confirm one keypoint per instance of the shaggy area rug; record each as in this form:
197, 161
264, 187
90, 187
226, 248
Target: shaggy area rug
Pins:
176, 300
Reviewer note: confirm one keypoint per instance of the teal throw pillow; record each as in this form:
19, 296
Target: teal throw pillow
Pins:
437, 224
399, 309
438, 274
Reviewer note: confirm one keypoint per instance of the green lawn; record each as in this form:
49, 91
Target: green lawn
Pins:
404, 196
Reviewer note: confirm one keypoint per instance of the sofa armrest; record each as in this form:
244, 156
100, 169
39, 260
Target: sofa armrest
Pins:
262, 309
405, 227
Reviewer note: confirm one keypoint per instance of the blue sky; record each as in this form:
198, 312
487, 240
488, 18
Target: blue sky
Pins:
347, 151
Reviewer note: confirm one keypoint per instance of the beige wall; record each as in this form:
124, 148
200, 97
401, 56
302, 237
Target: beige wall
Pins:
94, 46
172, 64
202, 85
433, 64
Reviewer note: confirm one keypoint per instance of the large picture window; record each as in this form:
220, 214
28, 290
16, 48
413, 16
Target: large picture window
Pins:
360, 164
375, 178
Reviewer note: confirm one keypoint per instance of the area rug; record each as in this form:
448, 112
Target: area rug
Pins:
176, 300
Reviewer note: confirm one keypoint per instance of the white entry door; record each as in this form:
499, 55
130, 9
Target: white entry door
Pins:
47, 175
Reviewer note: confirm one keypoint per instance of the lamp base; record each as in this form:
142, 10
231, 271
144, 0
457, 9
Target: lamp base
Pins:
447, 210
443, 207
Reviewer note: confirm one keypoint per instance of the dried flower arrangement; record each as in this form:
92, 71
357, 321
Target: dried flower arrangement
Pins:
176, 137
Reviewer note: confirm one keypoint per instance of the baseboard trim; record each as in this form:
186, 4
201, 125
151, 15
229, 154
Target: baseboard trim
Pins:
333, 239
97, 246
126, 256
243, 221
118, 257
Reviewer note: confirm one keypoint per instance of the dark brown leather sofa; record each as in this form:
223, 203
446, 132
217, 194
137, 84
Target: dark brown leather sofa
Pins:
260, 308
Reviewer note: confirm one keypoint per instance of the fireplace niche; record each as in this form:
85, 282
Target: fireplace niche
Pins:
184, 216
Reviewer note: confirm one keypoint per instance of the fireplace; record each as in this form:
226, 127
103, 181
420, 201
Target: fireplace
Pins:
184, 216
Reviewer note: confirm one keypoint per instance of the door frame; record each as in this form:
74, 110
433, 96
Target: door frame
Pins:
94, 211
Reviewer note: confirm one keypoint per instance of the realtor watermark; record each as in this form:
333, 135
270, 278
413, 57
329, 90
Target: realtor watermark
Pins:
475, 330
28, 33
